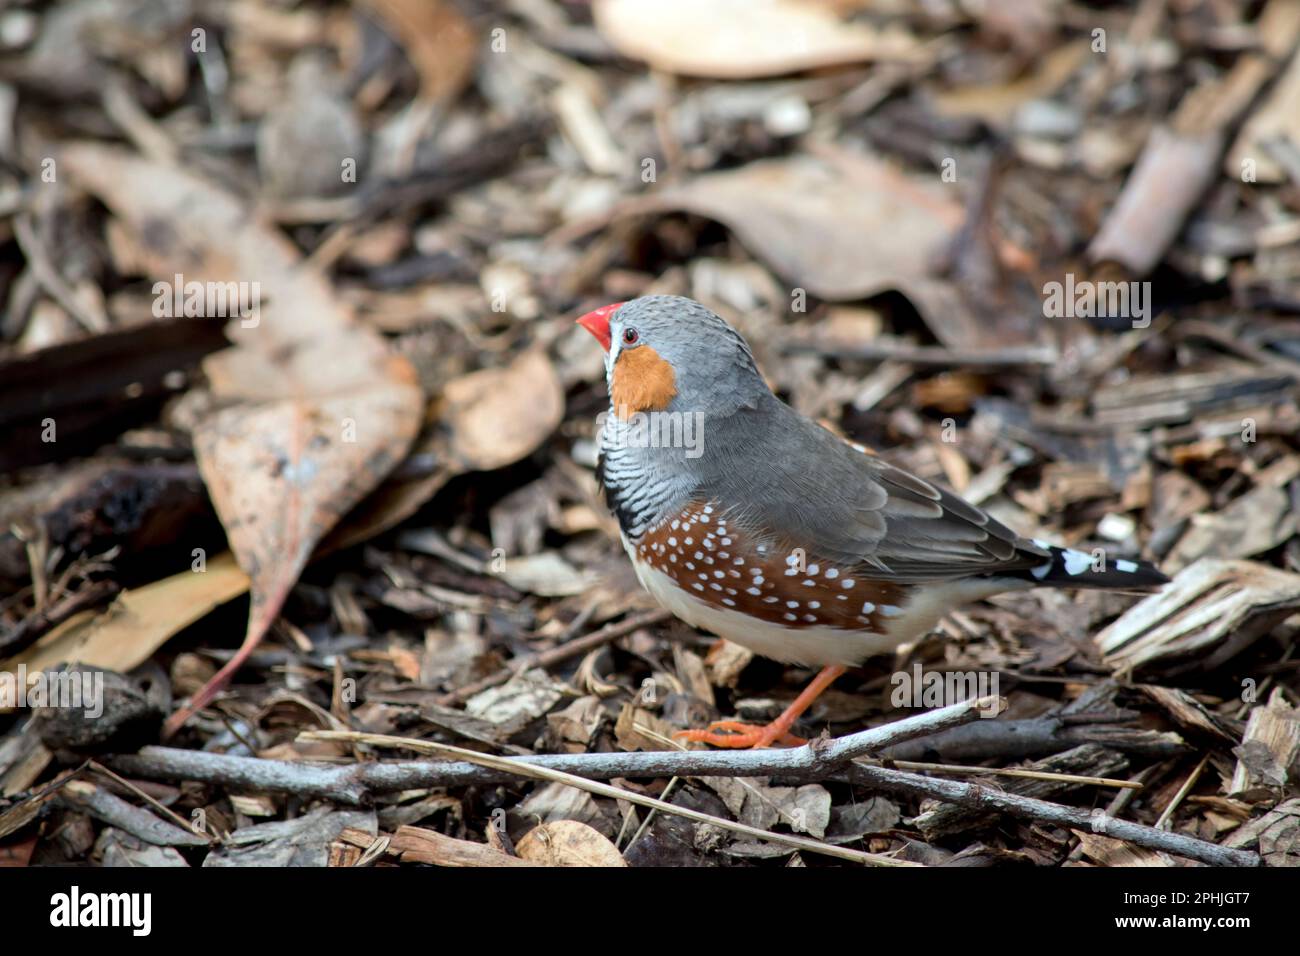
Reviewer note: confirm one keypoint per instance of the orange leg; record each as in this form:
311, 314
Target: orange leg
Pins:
778, 731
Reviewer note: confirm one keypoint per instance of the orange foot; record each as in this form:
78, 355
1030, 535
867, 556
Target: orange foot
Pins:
778, 731
741, 736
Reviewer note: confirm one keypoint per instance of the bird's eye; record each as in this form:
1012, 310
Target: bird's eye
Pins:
631, 336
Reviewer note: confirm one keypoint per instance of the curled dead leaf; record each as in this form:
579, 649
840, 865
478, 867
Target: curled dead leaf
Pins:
842, 226
568, 843
498, 416
734, 39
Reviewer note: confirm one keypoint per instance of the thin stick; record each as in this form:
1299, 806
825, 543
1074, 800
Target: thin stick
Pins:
180, 820
1008, 772
357, 784
663, 794
1163, 821
1120, 801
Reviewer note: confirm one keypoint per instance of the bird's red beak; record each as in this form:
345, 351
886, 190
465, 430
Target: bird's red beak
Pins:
597, 322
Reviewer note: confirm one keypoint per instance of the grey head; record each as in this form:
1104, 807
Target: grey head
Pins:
713, 368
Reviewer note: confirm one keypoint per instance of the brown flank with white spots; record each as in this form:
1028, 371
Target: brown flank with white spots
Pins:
716, 563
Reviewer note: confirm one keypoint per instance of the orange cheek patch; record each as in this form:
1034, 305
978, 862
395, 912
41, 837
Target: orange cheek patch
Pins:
643, 382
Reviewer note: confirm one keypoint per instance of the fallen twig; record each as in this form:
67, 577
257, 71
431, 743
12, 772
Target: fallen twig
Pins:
137, 821
1096, 821
1037, 736
357, 784
1021, 773
29, 630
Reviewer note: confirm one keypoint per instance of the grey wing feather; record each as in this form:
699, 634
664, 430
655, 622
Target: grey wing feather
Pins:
933, 534
853, 508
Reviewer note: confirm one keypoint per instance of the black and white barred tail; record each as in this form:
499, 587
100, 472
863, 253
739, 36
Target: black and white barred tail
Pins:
1082, 569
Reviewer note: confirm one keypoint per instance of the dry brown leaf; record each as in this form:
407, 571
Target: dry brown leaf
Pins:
629, 737
477, 397
568, 843
281, 474
1279, 835
499, 415
138, 622
753, 802
843, 226
322, 413
576, 725
557, 801
438, 39
1256, 522
1111, 852
736, 39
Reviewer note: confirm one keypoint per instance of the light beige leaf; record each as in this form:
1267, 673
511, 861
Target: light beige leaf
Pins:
138, 622
568, 843
842, 225
842, 228
734, 39
499, 415
546, 574
519, 700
